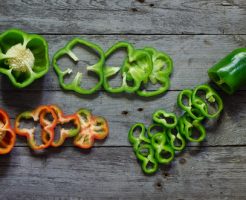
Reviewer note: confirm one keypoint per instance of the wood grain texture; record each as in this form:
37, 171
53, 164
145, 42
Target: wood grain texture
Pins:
121, 111
113, 173
121, 17
192, 55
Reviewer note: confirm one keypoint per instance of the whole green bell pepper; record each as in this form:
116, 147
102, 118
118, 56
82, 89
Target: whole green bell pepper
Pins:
230, 72
134, 70
23, 57
96, 68
162, 68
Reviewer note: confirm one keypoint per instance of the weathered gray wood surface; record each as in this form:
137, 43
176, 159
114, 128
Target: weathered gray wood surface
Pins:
130, 16
195, 34
206, 173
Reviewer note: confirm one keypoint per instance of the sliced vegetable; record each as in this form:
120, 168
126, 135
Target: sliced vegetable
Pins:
168, 120
162, 68
135, 68
164, 153
91, 128
7, 135
37, 115
75, 85
212, 100
192, 129
64, 132
23, 57
230, 72
188, 106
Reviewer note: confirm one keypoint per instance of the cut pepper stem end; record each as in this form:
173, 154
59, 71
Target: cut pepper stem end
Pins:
78, 78
73, 56
19, 58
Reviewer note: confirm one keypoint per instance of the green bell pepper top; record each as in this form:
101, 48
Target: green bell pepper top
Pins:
162, 68
23, 57
230, 72
75, 85
135, 68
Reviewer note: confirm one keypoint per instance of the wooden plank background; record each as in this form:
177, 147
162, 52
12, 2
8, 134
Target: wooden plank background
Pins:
195, 34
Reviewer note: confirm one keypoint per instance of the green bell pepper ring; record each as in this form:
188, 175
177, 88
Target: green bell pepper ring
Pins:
211, 98
154, 129
230, 72
137, 140
162, 68
23, 57
164, 153
136, 68
96, 68
176, 139
145, 153
192, 129
168, 120
189, 107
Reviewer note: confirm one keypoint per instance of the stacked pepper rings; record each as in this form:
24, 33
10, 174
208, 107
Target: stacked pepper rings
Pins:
139, 69
85, 127
169, 133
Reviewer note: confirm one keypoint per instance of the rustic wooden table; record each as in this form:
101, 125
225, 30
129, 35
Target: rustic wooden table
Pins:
196, 34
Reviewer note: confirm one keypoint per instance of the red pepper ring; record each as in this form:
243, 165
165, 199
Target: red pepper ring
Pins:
7, 135
37, 115
92, 127
64, 132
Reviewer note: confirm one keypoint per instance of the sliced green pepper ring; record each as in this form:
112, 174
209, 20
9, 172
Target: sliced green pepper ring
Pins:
168, 120
189, 107
192, 129
135, 68
176, 139
23, 57
145, 154
137, 135
162, 68
96, 68
164, 153
211, 97
154, 129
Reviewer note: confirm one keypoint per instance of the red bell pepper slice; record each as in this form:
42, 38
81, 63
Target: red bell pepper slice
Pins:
38, 114
64, 132
92, 127
7, 135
